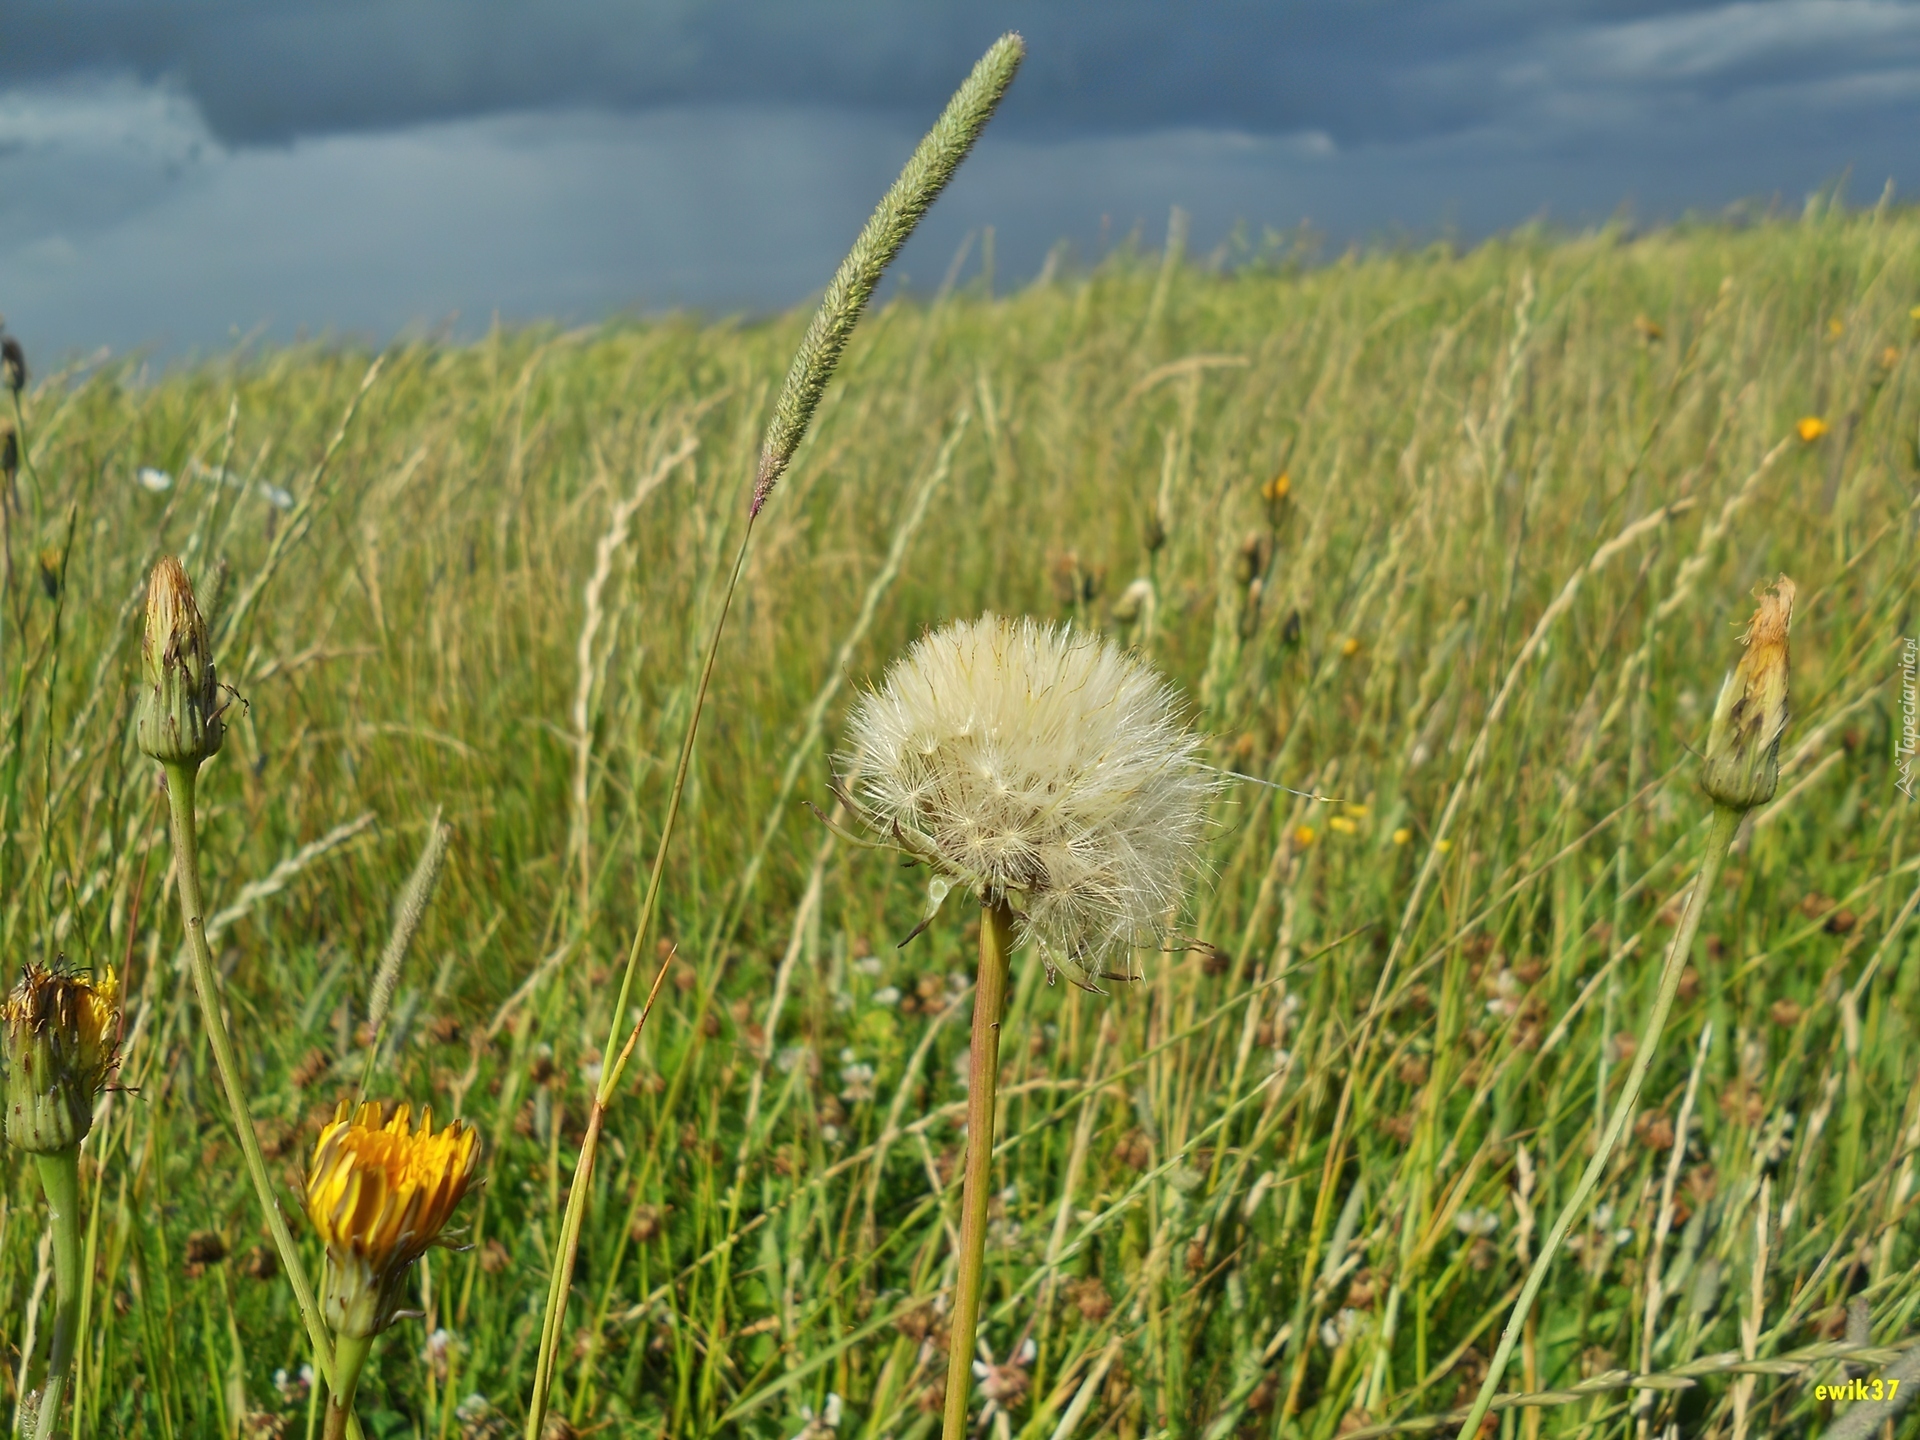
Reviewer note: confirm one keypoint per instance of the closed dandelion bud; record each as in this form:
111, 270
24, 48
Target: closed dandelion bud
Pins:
1742, 764
1043, 766
61, 1032
13, 365
379, 1196
179, 712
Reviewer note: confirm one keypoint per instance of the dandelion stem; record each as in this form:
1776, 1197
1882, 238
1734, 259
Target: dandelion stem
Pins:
983, 1076
350, 1354
181, 780
1726, 819
60, 1178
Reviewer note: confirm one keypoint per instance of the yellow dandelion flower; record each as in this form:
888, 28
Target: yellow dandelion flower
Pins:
1350, 646
61, 1032
1357, 809
1443, 846
1277, 489
1811, 428
1403, 836
1303, 836
378, 1196
1836, 327
1341, 824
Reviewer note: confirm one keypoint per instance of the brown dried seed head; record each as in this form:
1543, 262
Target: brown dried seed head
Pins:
1742, 765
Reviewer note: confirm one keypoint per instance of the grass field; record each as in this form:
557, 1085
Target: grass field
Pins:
1240, 1197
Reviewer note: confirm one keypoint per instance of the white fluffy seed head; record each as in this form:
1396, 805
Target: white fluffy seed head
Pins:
1043, 764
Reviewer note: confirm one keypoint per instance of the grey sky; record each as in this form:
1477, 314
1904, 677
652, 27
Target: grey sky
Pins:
172, 173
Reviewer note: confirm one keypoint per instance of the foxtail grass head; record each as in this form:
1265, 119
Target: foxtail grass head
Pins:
379, 1195
179, 712
61, 1032
1742, 764
1042, 765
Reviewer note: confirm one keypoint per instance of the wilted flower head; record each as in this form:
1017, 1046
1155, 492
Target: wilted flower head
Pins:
378, 1196
1742, 764
178, 716
13, 364
1039, 764
62, 1040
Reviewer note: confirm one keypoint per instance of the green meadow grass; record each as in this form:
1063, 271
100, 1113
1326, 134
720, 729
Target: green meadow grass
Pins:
1255, 1192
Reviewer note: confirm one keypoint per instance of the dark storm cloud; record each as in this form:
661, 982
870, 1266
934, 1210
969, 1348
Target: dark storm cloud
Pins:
1361, 71
181, 173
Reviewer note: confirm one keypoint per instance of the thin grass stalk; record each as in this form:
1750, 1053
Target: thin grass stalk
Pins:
983, 1080
181, 780
410, 910
1726, 820
926, 174
568, 1246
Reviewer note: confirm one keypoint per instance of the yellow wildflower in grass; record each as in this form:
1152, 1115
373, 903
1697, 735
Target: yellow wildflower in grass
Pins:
1341, 825
1350, 646
1303, 836
1278, 488
1443, 846
62, 1040
378, 1196
1836, 327
1403, 836
1811, 428
61, 1034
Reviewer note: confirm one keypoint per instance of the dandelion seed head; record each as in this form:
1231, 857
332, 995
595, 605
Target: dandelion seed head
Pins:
1041, 764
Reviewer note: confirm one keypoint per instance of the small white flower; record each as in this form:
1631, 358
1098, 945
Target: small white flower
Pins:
1476, 1222
293, 1388
887, 995
858, 1080
153, 479
439, 1353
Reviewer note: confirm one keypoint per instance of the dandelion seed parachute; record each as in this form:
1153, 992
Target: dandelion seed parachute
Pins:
1040, 764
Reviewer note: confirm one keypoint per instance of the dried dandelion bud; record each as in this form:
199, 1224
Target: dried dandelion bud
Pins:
1136, 600
1039, 764
1742, 764
179, 712
379, 1196
61, 1032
